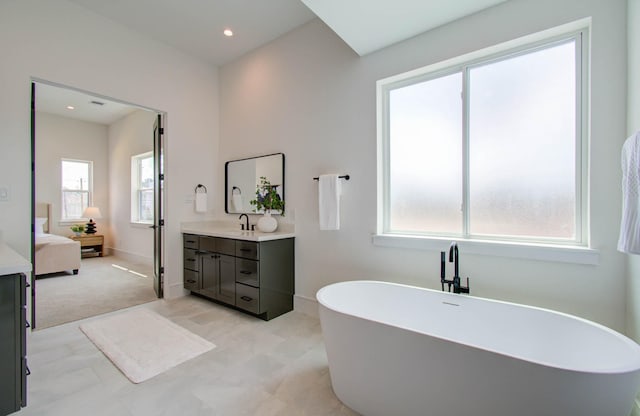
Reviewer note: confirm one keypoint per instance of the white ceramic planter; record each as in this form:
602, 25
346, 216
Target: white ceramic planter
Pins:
267, 223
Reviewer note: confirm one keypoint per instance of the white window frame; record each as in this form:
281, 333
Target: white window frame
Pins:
577, 251
136, 189
63, 218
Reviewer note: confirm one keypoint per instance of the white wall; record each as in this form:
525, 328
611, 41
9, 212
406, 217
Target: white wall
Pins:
131, 135
310, 96
61, 137
633, 125
61, 42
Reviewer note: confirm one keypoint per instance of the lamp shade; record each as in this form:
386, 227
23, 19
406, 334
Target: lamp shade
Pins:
92, 212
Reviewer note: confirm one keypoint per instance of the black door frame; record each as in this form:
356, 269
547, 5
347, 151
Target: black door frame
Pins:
161, 116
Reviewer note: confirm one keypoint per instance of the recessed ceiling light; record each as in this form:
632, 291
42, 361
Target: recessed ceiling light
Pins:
228, 32
70, 107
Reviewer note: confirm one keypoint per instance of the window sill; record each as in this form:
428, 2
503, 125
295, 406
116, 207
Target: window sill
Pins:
141, 224
73, 221
544, 252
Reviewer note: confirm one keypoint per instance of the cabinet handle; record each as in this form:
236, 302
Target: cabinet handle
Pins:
245, 249
246, 298
28, 371
245, 272
27, 284
190, 241
191, 281
190, 259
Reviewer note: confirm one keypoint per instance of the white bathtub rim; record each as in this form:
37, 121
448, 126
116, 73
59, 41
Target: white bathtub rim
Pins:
632, 367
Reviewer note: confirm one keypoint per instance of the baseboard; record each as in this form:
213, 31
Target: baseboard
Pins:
174, 291
306, 305
128, 256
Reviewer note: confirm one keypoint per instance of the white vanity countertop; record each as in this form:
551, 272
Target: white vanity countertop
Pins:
226, 229
11, 262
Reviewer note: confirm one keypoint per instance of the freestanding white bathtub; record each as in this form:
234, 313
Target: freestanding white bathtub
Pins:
402, 350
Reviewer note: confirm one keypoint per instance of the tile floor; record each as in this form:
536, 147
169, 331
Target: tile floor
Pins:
277, 367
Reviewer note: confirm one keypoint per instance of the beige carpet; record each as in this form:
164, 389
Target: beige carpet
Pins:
143, 344
97, 288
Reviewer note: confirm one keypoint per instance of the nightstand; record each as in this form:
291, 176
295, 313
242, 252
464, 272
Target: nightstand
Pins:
90, 245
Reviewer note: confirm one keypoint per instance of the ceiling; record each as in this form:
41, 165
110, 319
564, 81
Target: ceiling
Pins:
54, 100
195, 27
370, 25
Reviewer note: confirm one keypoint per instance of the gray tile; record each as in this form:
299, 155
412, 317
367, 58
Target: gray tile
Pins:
257, 368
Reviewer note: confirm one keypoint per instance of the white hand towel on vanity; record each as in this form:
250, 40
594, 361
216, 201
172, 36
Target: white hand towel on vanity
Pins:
329, 190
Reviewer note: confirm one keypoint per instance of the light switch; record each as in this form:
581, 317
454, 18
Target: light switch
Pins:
4, 194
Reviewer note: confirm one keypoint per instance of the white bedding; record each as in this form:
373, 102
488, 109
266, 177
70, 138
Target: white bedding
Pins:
54, 253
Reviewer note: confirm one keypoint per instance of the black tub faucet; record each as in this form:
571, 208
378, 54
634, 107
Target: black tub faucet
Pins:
453, 258
247, 218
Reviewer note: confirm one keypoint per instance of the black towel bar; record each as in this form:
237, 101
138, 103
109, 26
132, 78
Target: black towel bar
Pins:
345, 177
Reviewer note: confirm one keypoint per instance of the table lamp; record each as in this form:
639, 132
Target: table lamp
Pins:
91, 213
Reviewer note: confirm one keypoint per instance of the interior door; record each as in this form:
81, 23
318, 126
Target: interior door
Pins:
33, 204
158, 219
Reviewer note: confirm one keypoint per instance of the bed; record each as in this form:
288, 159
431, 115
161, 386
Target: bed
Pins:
53, 253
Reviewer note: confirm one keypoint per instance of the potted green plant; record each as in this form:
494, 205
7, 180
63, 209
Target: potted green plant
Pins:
267, 200
77, 229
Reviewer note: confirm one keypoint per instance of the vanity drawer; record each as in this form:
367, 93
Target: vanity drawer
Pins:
247, 249
191, 279
207, 244
247, 272
226, 246
191, 241
248, 298
190, 259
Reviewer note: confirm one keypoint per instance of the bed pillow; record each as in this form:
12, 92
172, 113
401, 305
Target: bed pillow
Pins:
40, 225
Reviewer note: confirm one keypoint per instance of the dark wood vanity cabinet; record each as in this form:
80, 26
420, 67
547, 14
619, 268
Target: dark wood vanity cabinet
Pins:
218, 277
13, 344
256, 277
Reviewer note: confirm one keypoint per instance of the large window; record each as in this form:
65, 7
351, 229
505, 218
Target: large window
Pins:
492, 148
142, 188
76, 188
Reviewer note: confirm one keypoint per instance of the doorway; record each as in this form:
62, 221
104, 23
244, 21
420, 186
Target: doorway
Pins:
97, 163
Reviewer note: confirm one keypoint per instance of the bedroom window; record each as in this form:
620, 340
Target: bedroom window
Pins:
77, 184
491, 148
142, 188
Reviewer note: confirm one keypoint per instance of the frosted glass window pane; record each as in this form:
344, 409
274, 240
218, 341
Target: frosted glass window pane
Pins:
522, 167
425, 156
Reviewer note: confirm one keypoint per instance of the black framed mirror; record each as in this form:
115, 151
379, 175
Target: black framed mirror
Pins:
242, 176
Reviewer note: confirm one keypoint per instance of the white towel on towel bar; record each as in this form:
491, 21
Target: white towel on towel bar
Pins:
236, 199
329, 190
201, 202
629, 240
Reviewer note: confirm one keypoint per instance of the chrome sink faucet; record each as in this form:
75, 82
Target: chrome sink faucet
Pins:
453, 258
242, 225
